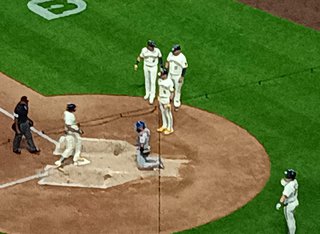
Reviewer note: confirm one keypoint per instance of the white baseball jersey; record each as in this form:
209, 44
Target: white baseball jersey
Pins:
151, 58
144, 138
176, 63
291, 191
70, 119
165, 89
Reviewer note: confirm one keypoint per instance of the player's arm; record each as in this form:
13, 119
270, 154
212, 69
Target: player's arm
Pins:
71, 129
161, 64
136, 65
184, 70
281, 201
183, 73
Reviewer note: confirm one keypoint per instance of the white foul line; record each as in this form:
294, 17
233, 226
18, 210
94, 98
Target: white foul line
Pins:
40, 133
25, 179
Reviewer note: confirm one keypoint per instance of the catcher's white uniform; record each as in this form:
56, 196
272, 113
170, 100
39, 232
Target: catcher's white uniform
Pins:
176, 64
150, 68
165, 91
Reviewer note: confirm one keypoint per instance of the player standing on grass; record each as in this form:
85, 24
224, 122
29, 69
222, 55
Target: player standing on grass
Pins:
152, 57
289, 198
177, 65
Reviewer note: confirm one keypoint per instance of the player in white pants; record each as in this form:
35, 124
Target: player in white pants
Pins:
152, 57
72, 137
289, 199
177, 65
165, 95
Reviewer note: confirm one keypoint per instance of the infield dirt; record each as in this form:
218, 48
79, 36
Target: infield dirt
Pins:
227, 168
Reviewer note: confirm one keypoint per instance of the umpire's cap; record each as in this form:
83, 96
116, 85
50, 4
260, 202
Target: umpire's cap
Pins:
71, 107
176, 47
151, 43
24, 99
290, 174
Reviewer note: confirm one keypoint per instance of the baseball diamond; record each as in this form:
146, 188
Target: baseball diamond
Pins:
224, 139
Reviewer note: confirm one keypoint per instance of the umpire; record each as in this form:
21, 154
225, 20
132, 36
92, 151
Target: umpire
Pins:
22, 126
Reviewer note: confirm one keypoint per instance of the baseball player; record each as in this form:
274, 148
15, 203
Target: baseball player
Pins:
165, 96
177, 64
289, 198
152, 57
21, 127
72, 137
145, 161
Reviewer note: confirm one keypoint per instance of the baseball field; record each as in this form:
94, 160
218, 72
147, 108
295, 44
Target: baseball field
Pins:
250, 110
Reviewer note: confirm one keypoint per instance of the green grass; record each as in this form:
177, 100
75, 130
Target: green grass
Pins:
229, 47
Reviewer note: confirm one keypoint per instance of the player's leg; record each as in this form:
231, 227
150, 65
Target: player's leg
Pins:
146, 82
289, 215
153, 78
168, 115
59, 146
70, 144
177, 96
163, 117
78, 145
170, 119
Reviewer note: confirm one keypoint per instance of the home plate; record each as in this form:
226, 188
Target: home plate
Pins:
109, 163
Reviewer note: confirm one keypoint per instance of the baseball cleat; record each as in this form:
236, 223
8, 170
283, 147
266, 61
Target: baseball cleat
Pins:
168, 131
176, 109
161, 129
146, 97
17, 151
57, 163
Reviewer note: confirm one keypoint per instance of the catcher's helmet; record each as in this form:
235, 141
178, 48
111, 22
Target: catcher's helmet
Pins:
176, 47
140, 124
290, 174
151, 43
71, 107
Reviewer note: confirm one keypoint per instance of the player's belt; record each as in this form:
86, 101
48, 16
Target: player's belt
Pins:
151, 65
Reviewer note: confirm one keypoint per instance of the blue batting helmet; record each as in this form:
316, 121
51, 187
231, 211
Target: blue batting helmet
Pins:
140, 124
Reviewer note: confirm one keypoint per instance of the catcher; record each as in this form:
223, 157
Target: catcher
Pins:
145, 161
72, 138
165, 96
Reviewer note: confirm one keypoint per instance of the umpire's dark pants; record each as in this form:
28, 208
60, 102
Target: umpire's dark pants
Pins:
24, 131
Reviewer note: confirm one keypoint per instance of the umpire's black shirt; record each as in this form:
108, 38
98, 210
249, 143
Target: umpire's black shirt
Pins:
21, 112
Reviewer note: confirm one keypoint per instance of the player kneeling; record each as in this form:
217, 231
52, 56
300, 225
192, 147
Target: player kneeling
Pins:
144, 160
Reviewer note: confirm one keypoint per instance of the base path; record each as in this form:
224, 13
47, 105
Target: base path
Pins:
227, 167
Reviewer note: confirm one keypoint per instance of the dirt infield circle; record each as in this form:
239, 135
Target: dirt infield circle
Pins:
228, 167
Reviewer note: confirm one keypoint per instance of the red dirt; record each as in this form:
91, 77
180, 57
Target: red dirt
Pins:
305, 12
228, 167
